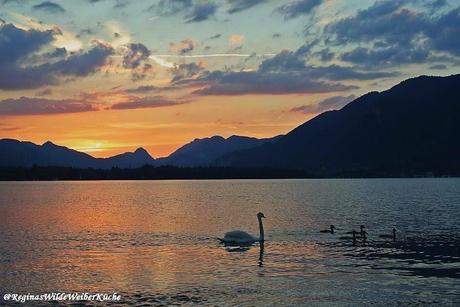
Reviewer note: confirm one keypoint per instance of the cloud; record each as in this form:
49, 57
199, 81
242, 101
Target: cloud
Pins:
332, 103
147, 102
297, 8
201, 12
290, 61
42, 106
18, 46
388, 21
186, 70
142, 89
183, 47
134, 55
17, 43
445, 32
390, 33
49, 7
241, 5
171, 7
142, 72
386, 56
257, 82
193, 10
80, 64
285, 73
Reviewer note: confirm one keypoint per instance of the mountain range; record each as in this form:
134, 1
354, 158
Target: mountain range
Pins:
199, 152
412, 128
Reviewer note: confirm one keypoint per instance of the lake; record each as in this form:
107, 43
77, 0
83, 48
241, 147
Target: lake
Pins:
154, 242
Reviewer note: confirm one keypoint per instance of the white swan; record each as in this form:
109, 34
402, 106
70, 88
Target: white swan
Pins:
237, 237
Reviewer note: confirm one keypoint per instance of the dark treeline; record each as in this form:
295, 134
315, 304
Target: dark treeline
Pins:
145, 172
148, 172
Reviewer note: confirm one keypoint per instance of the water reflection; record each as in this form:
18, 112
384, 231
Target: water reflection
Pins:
261, 253
154, 242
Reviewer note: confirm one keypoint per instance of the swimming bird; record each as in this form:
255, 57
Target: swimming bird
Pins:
387, 236
331, 230
239, 237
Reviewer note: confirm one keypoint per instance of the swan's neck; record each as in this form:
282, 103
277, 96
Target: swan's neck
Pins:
261, 230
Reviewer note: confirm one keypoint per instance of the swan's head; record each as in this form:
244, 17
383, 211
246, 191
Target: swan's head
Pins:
362, 227
260, 215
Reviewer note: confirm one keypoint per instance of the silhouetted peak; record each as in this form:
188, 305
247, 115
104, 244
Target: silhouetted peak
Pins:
49, 144
142, 152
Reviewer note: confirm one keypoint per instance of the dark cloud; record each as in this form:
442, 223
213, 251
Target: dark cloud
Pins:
388, 21
201, 12
274, 83
142, 89
332, 103
18, 46
326, 55
193, 10
386, 56
147, 102
42, 106
389, 33
241, 5
17, 43
445, 32
134, 55
285, 73
49, 7
287, 61
80, 64
185, 71
297, 8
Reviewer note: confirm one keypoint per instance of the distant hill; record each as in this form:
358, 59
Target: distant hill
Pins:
413, 128
202, 152
26, 154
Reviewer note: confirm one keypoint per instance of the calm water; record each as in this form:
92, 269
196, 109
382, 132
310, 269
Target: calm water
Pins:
154, 241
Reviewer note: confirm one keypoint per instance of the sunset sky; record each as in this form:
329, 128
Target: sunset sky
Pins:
108, 76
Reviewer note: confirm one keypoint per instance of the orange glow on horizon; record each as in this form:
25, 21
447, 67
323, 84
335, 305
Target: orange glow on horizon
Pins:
160, 130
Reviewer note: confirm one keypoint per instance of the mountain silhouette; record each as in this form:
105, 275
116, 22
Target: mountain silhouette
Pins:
134, 159
202, 152
412, 128
26, 154
409, 130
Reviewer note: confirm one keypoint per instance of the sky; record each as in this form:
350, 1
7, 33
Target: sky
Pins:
109, 76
